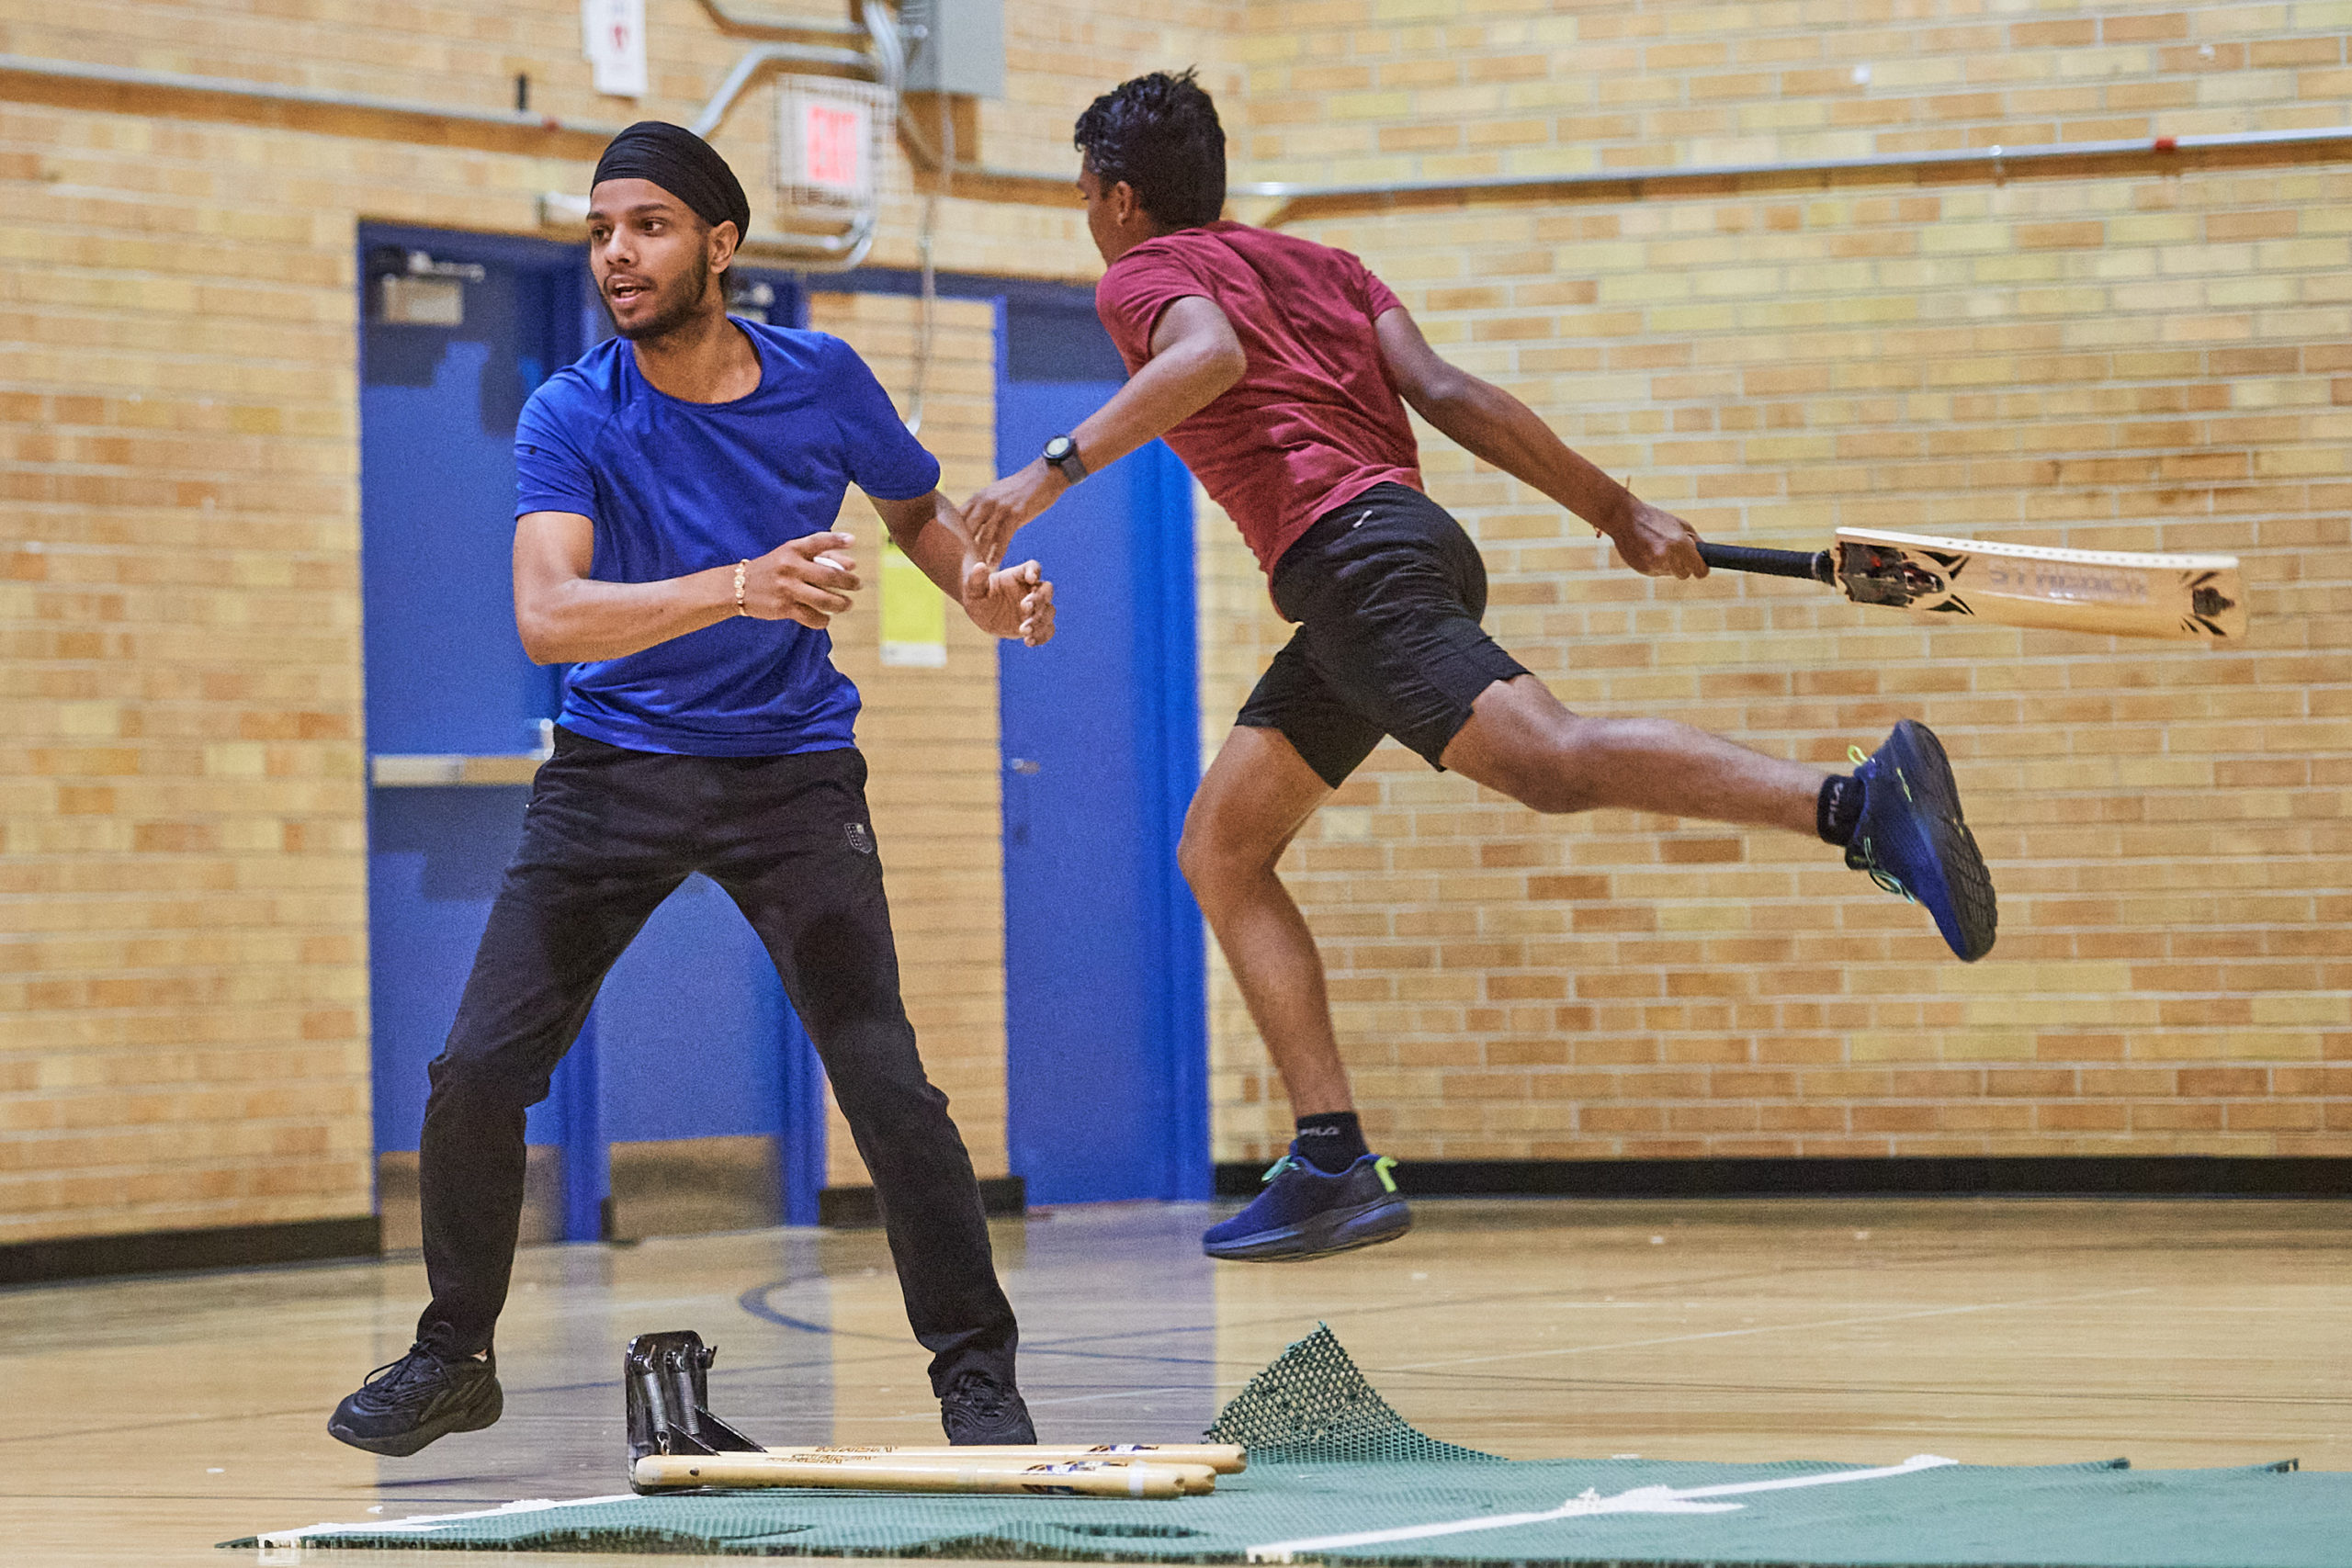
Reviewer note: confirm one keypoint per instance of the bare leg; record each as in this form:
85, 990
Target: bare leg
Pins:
1259, 792
1257, 795
1522, 741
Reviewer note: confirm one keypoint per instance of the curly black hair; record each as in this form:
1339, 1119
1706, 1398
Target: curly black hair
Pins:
1161, 134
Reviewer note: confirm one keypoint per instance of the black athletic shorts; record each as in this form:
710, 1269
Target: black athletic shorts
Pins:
1387, 591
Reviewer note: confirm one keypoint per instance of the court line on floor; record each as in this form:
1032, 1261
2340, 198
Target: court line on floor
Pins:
1767, 1328
1055, 1348
279, 1539
1423, 1368
1639, 1500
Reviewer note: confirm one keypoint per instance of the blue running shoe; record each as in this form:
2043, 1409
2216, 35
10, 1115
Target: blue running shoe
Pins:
1912, 840
1306, 1213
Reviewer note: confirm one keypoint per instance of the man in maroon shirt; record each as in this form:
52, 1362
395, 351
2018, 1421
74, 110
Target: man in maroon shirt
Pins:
1280, 371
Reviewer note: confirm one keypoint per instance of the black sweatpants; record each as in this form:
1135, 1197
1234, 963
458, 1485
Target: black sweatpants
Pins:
609, 834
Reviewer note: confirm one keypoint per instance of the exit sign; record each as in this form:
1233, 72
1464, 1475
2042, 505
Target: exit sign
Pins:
832, 146
826, 136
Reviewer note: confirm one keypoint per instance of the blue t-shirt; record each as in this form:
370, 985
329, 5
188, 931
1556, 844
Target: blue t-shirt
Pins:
675, 487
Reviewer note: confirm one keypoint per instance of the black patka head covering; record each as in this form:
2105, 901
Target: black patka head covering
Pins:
682, 164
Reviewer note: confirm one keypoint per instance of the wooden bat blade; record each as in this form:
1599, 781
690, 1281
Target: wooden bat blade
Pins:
1225, 1458
2120, 591
885, 1474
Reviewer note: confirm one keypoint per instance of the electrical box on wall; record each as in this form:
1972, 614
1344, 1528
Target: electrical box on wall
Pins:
961, 50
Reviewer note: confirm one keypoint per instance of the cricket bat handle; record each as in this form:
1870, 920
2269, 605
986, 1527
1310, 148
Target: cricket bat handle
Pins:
1812, 565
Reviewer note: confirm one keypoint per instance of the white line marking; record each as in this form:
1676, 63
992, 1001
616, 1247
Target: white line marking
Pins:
1640, 1500
427, 1521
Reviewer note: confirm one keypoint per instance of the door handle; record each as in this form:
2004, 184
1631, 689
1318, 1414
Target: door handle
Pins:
1022, 765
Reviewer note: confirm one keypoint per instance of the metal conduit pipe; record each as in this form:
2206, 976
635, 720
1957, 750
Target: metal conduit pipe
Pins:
308, 97
812, 253
800, 252
732, 21
1026, 184
1994, 161
754, 60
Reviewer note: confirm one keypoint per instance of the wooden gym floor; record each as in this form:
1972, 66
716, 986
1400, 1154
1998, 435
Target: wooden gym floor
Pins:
148, 1419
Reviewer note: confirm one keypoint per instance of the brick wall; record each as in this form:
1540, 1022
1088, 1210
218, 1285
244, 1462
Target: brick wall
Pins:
183, 954
2142, 361
2134, 360
183, 976
930, 738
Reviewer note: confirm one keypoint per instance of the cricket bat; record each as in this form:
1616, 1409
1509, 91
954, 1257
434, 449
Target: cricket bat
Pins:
1225, 1458
2119, 591
882, 1473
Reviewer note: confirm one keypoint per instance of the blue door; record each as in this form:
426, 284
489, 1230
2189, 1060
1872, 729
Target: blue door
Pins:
1106, 1028
447, 357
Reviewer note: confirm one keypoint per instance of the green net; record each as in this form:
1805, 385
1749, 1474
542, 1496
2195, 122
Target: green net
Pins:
1336, 1477
1312, 1405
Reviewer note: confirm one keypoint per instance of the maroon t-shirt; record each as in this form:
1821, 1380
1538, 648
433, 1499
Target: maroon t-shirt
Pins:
1313, 422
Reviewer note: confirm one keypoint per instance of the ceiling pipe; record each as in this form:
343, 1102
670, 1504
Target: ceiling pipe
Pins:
1993, 161
883, 59
307, 97
812, 253
1996, 161
732, 21
759, 58
798, 252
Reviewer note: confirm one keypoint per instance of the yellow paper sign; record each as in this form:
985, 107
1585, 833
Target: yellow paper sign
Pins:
914, 613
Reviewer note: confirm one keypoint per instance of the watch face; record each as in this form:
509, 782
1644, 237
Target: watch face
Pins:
1057, 448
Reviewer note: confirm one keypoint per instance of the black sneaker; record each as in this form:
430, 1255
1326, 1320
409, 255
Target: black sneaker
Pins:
408, 1403
979, 1409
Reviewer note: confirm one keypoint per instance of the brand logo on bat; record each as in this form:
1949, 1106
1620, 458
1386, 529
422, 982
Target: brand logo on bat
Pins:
2063, 581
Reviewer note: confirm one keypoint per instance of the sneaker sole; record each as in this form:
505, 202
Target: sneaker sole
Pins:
1366, 1226
1936, 795
400, 1445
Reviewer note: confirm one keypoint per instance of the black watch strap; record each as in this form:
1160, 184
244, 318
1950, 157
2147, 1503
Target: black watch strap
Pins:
1061, 456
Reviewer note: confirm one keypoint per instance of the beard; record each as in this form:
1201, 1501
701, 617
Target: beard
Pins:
671, 309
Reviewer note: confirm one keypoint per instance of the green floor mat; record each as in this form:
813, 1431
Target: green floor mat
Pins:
1337, 1476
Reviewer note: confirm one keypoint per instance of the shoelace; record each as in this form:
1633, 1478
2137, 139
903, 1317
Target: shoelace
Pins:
985, 1399
399, 1375
1887, 881
1381, 1166
1857, 756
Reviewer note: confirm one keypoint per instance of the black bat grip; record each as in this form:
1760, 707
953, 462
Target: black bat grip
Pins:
1812, 565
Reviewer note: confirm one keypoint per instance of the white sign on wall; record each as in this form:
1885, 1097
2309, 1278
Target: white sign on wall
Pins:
613, 33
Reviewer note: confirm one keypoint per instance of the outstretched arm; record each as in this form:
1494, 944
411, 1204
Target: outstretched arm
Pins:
1498, 427
1194, 357
1016, 601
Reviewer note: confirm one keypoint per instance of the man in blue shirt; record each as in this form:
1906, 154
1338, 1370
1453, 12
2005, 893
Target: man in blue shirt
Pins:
675, 545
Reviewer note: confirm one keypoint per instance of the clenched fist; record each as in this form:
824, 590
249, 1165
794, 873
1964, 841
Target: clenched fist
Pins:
808, 580
1657, 543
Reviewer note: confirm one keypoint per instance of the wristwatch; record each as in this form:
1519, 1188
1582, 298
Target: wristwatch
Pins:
1061, 456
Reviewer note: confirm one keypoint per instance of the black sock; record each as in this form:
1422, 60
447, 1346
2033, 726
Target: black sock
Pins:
1332, 1142
1839, 810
